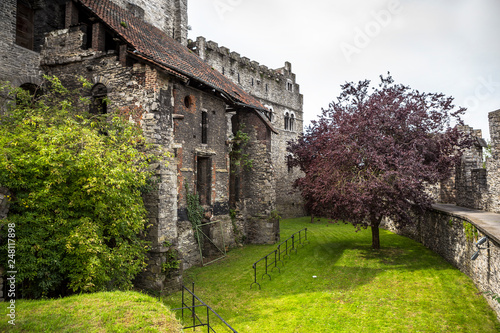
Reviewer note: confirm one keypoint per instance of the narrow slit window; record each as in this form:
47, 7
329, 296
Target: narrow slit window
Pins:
204, 127
204, 180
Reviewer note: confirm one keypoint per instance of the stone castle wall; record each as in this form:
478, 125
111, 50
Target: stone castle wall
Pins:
493, 164
278, 91
169, 16
470, 177
157, 101
477, 180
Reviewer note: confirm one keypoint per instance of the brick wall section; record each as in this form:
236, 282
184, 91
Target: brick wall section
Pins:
71, 18
98, 37
444, 233
189, 104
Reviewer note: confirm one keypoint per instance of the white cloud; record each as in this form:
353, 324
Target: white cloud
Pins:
448, 46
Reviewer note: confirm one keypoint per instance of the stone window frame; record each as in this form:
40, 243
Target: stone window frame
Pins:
290, 120
289, 85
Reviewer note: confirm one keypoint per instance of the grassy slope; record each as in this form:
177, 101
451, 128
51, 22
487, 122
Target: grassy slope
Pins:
99, 312
402, 288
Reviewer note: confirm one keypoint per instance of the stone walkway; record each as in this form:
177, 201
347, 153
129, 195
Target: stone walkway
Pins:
487, 222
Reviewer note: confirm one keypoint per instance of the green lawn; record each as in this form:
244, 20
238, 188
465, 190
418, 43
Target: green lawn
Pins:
404, 287
100, 312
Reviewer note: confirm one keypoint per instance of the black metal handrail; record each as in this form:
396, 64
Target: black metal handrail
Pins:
197, 322
280, 254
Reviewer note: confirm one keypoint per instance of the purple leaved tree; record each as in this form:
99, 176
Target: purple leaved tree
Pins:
372, 153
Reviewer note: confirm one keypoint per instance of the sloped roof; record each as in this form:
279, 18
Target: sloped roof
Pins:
154, 45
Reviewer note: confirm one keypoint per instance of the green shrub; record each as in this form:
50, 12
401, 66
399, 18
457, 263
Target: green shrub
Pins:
76, 180
195, 212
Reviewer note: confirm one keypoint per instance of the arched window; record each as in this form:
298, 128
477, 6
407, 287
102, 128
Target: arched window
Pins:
292, 122
99, 99
33, 89
287, 120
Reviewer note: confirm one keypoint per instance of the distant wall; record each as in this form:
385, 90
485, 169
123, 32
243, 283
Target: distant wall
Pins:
476, 183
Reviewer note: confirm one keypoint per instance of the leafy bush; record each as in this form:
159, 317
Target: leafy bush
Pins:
195, 212
76, 204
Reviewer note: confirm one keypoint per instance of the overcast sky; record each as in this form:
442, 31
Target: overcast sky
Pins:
448, 46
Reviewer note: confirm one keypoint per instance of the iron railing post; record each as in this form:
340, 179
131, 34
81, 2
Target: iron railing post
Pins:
208, 320
194, 309
277, 255
182, 312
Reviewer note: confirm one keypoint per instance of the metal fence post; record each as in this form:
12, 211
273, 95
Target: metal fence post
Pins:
194, 309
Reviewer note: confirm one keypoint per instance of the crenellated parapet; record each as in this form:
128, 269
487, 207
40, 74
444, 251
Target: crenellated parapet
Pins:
271, 85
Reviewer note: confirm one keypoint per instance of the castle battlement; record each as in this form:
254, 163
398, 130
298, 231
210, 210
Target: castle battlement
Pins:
233, 60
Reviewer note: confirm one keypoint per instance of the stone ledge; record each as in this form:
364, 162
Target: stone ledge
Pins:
487, 222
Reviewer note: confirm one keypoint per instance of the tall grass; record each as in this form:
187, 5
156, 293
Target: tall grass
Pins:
337, 283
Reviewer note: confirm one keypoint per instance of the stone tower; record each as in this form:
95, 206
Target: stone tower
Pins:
169, 16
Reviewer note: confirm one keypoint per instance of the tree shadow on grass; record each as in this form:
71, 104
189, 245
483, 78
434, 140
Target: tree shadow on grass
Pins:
349, 264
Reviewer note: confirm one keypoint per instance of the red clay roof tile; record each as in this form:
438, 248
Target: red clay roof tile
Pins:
154, 45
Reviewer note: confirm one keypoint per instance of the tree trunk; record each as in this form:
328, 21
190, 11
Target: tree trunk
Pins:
375, 238
375, 233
